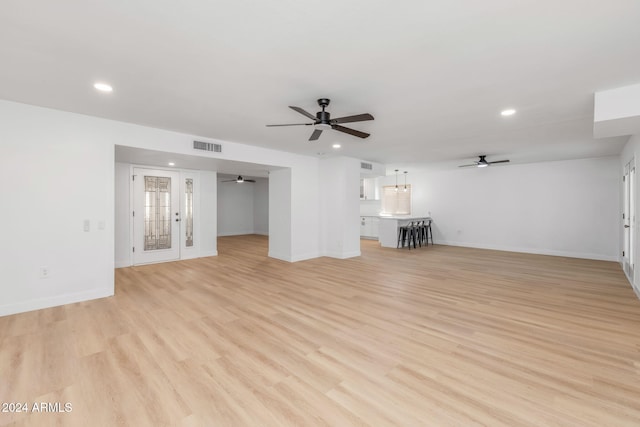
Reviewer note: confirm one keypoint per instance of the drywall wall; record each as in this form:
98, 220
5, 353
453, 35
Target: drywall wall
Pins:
59, 172
280, 223
243, 208
235, 208
57, 181
261, 206
208, 213
567, 208
122, 220
340, 204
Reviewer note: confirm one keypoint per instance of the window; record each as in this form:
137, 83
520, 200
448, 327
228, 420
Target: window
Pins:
396, 202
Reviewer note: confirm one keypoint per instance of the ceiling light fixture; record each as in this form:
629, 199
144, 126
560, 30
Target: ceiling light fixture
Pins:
171, 164
396, 189
508, 112
103, 87
405, 181
336, 145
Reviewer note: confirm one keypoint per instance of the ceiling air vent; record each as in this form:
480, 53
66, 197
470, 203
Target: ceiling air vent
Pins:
207, 146
364, 165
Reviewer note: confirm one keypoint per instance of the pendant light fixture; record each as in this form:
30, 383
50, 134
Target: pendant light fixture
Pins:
396, 181
405, 181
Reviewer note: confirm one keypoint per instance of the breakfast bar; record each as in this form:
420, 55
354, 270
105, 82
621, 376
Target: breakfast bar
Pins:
388, 232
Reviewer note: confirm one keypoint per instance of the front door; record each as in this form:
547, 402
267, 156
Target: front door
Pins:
156, 216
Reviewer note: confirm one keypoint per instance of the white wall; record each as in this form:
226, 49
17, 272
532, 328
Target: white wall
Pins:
567, 208
122, 221
57, 171
208, 213
235, 208
261, 206
340, 207
280, 214
243, 208
631, 151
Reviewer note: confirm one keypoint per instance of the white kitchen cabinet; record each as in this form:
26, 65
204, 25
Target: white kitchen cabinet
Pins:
369, 226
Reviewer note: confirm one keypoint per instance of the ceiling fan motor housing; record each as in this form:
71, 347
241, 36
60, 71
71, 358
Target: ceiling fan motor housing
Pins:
322, 120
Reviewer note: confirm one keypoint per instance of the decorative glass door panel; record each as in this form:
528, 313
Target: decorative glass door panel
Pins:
188, 212
157, 213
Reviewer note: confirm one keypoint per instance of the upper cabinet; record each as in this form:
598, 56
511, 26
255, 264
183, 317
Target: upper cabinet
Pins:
369, 189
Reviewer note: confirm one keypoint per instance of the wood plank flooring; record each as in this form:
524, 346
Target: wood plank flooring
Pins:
439, 336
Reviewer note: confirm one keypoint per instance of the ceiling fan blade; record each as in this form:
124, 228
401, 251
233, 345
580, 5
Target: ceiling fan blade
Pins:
303, 112
315, 135
350, 119
498, 161
292, 124
229, 180
350, 131
249, 180
468, 166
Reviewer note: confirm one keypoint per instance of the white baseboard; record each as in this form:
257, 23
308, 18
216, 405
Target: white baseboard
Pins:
296, 258
343, 255
208, 253
123, 263
583, 255
235, 233
55, 301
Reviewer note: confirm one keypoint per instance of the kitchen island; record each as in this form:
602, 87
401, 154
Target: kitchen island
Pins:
388, 230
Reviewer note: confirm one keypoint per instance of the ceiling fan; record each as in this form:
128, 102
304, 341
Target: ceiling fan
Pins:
482, 163
323, 121
239, 180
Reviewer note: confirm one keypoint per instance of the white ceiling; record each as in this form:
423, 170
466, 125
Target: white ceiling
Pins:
434, 74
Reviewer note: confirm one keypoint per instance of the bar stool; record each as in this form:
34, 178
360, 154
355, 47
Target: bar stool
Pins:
428, 231
403, 233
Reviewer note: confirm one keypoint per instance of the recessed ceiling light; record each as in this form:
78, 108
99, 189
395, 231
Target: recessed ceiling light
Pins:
508, 112
103, 87
336, 145
171, 164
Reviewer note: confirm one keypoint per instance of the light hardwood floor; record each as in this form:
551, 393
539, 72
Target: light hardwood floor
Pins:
439, 336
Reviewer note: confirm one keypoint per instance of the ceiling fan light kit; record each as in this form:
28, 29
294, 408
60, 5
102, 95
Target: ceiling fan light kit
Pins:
239, 180
322, 121
483, 163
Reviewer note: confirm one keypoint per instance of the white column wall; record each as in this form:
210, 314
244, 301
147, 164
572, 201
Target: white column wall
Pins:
208, 213
261, 206
280, 214
340, 207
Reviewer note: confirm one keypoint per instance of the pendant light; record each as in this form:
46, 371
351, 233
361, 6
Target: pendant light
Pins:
396, 189
405, 181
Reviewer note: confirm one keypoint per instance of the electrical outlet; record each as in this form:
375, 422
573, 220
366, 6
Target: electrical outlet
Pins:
87, 225
44, 272
101, 224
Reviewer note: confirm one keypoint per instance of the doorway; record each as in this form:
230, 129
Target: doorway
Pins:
156, 216
628, 219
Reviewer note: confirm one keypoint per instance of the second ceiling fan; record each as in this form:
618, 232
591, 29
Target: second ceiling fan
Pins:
323, 121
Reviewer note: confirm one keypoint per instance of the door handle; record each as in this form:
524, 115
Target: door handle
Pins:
626, 226
177, 219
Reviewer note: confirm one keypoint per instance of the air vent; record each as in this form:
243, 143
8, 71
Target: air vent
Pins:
207, 146
364, 165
